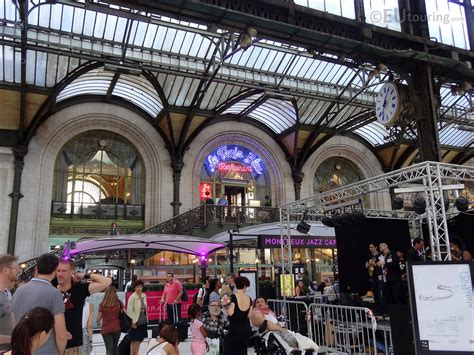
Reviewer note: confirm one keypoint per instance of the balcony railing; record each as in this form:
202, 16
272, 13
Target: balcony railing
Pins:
101, 211
202, 216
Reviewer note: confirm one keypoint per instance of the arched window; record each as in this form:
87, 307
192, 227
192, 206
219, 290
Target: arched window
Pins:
99, 174
335, 172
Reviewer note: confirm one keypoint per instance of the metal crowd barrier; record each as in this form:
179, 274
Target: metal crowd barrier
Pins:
350, 330
294, 314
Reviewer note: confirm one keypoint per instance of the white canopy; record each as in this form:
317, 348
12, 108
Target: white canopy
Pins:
168, 242
252, 232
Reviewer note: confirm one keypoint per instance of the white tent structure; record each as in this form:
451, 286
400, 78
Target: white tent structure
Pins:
143, 242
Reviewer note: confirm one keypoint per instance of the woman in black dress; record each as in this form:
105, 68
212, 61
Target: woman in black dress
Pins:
239, 308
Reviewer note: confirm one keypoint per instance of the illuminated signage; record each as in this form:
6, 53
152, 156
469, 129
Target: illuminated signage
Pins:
250, 161
234, 167
274, 241
205, 190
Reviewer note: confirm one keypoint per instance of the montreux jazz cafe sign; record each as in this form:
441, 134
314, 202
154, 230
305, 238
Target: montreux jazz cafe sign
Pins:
223, 158
274, 241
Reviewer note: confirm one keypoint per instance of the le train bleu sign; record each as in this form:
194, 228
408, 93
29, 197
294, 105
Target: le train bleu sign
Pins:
233, 153
273, 241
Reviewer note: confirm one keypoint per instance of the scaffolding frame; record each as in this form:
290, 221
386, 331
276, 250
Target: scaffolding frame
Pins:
434, 177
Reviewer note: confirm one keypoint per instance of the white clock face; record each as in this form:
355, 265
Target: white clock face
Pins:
387, 103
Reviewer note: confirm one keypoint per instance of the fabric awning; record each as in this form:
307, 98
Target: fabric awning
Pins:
168, 242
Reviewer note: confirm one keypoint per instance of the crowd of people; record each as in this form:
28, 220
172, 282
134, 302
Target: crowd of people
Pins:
56, 291
388, 274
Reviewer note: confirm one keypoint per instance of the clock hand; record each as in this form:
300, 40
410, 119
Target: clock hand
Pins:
385, 100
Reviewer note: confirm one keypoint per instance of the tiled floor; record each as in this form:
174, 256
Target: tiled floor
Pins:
184, 348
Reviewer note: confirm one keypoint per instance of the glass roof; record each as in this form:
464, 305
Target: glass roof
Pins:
447, 22
136, 90
194, 64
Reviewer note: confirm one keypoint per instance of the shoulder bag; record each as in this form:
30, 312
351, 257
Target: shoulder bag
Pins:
125, 320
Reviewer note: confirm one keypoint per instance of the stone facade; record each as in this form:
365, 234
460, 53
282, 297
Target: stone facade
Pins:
37, 181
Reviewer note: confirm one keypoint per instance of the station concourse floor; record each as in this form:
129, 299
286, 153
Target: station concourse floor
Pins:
184, 347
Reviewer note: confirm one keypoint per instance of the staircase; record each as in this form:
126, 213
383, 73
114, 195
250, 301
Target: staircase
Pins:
207, 220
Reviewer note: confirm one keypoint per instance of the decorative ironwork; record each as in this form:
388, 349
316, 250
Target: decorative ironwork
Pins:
202, 216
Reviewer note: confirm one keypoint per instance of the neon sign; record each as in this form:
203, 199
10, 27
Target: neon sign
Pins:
234, 167
251, 162
205, 188
309, 242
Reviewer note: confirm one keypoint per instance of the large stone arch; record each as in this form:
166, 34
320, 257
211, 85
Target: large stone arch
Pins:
245, 135
37, 180
357, 153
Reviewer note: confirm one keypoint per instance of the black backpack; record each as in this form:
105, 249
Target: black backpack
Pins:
184, 297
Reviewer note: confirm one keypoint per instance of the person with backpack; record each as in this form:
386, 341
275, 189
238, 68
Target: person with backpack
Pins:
202, 291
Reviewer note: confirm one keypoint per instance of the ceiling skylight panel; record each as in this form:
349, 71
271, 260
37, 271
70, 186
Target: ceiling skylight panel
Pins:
186, 92
179, 42
168, 41
373, 132
271, 58
40, 76
89, 23
272, 122
204, 50
191, 44
30, 67
120, 29
150, 35
8, 11
51, 69
161, 34
67, 18
139, 31
78, 20
99, 26
281, 62
56, 17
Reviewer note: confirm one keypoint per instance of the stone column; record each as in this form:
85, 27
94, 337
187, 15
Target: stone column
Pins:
19, 153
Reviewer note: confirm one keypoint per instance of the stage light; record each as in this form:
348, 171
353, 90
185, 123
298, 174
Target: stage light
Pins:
419, 205
397, 203
462, 204
358, 216
327, 221
302, 226
337, 219
347, 218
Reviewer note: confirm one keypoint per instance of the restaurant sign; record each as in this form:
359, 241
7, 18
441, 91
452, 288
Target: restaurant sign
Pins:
274, 241
225, 157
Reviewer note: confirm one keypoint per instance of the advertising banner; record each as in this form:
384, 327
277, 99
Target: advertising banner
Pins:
157, 311
311, 242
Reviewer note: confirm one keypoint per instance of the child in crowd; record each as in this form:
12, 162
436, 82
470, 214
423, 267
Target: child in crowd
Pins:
198, 332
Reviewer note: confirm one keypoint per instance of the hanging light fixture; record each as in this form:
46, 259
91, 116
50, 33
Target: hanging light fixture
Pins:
462, 204
303, 227
419, 205
397, 203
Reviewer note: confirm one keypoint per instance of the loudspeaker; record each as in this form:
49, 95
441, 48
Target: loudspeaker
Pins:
402, 329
